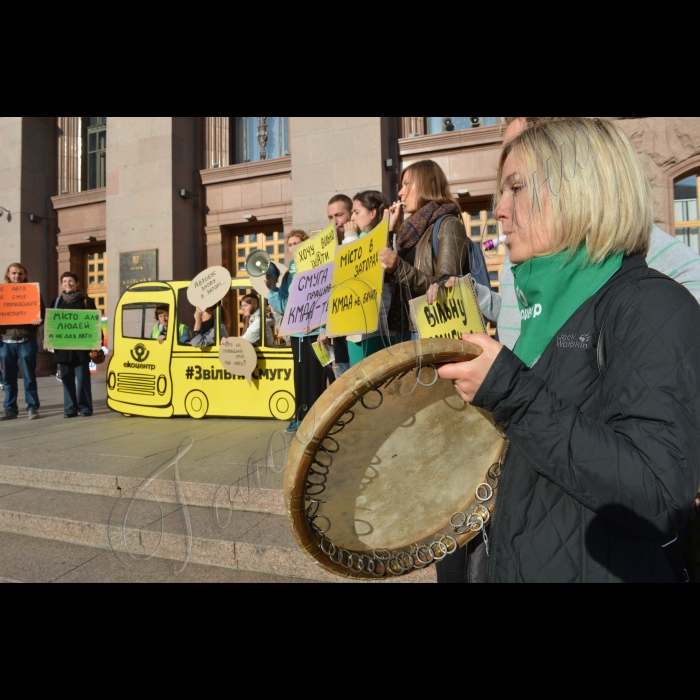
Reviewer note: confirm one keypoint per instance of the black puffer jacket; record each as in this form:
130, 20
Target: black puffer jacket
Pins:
604, 463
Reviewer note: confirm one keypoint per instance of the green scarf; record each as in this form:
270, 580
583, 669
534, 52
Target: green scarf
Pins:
550, 291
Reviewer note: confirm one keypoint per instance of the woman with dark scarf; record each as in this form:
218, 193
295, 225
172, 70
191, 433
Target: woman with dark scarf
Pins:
204, 335
74, 365
426, 198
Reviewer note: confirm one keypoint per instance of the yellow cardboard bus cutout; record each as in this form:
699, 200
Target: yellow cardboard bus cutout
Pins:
154, 380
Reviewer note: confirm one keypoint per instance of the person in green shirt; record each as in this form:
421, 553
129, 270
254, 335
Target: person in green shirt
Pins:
160, 331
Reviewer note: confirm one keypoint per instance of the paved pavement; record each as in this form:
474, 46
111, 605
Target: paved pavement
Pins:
110, 444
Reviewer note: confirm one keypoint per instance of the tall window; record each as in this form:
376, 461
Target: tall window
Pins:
439, 125
97, 152
686, 195
260, 138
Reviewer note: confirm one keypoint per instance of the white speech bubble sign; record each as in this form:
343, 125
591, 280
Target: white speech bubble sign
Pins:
209, 288
239, 358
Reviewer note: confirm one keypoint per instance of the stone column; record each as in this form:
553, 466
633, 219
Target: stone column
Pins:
150, 160
26, 185
69, 166
217, 149
412, 126
334, 155
219, 243
28, 177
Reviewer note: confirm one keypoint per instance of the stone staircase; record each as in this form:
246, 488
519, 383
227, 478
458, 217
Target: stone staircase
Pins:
65, 487
248, 537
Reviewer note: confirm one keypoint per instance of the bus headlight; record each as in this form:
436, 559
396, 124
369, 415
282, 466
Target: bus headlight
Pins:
112, 381
162, 385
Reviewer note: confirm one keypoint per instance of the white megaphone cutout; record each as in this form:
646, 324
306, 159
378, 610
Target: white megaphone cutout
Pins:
259, 266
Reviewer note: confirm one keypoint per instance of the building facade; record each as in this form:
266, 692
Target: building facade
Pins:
118, 200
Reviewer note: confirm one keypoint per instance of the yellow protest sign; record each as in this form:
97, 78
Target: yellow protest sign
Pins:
357, 285
455, 313
317, 251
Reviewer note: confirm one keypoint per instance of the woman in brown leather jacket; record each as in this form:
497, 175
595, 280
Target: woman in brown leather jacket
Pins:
426, 198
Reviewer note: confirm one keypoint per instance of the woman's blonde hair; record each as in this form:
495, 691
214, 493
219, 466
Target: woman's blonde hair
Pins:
598, 194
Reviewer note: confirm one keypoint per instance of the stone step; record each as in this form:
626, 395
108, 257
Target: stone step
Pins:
33, 560
240, 540
250, 498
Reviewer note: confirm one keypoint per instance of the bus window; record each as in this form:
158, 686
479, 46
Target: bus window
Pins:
250, 317
139, 320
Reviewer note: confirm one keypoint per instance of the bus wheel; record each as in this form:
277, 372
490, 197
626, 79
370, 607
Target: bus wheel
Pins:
282, 405
196, 405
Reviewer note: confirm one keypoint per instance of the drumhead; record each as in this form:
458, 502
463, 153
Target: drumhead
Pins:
386, 459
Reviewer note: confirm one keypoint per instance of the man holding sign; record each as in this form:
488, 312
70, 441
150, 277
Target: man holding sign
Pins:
21, 313
360, 300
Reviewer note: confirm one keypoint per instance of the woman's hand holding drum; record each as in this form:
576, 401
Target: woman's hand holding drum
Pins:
468, 377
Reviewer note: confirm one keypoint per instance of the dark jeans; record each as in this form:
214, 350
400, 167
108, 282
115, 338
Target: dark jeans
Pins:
82, 401
310, 376
24, 354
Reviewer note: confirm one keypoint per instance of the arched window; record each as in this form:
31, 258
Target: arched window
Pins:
260, 138
686, 195
439, 125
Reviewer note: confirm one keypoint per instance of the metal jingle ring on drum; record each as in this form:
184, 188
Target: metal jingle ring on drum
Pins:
318, 469
461, 517
425, 560
321, 464
321, 479
442, 548
314, 486
433, 383
320, 531
495, 471
383, 555
312, 511
402, 558
452, 540
350, 565
340, 556
334, 441
330, 550
475, 523
483, 512
379, 563
341, 424
483, 489
398, 571
372, 408
368, 564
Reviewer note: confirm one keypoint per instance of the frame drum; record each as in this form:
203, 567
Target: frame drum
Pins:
391, 471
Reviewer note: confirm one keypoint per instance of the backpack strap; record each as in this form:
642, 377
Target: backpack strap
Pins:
436, 235
57, 302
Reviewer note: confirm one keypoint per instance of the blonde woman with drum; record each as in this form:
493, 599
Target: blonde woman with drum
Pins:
600, 398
